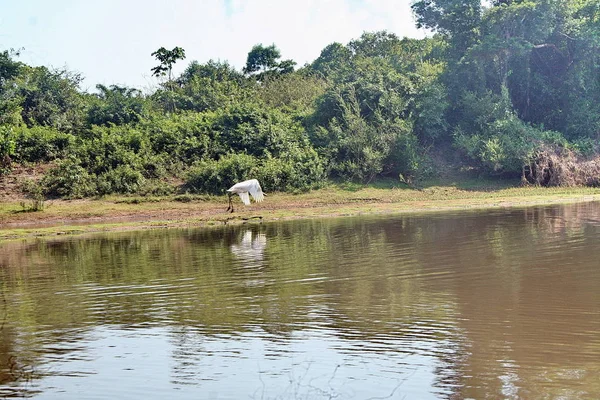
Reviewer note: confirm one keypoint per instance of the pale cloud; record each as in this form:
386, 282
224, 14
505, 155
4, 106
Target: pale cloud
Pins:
110, 41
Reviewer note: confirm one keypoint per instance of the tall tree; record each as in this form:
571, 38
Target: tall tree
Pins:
10, 109
264, 62
9, 68
458, 20
50, 98
167, 58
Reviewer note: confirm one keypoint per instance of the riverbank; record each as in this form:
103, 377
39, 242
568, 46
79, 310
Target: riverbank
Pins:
67, 217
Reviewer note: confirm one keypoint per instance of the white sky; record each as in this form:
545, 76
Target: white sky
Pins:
110, 41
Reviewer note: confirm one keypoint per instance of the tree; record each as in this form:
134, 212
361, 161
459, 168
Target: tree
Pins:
116, 105
8, 67
261, 57
209, 86
264, 61
167, 58
50, 98
10, 109
457, 20
213, 70
334, 58
374, 44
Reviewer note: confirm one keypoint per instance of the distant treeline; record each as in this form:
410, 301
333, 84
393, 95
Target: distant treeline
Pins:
498, 87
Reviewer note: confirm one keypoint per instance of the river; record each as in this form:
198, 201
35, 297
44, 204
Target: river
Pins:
489, 304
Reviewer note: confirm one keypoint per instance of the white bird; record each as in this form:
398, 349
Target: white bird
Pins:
250, 186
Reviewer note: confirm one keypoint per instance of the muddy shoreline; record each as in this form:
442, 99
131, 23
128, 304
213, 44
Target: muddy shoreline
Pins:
68, 217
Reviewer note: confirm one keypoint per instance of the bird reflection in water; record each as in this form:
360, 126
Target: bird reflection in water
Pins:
251, 249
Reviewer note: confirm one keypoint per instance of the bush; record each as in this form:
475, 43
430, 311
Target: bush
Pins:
69, 179
7, 149
33, 191
212, 176
41, 144
110, 148
300, 170
123, 179
507, 145
183, 137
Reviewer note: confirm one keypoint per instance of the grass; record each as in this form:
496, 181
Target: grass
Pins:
117, 213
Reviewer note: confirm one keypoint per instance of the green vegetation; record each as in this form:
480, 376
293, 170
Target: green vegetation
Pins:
504, 88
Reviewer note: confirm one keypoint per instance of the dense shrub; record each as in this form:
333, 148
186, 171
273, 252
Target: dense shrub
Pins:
116, 105
185, 137
301, 171
122, 179
7, 148
41, 144
216, 176
109, 148
69, 179
376, 107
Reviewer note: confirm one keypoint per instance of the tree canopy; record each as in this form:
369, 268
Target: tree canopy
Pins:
496, 87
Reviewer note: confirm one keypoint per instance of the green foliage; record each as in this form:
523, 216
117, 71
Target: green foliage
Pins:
167, 58
49, 98
294, 93
10, 99
505, 146
216, 176
121, 179
7, 149
185, 137
69, 179
298, 170
498, 80
108, 149
33, 191
295, 172
116, 105
374, 44
458, 20
9, 68
206, 87
430, 103
334, 60
41, 144
264, 62
360, 149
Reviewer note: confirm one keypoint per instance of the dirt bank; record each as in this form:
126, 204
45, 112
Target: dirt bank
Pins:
60, 217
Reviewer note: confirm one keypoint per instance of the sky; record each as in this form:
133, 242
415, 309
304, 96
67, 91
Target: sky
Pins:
111, 41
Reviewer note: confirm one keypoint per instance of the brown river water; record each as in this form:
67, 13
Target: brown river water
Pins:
465, 305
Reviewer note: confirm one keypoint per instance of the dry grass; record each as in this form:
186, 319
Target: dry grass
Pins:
561, 167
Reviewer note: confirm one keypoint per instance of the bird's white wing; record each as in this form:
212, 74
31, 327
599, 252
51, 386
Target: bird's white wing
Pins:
245, 198
256, 191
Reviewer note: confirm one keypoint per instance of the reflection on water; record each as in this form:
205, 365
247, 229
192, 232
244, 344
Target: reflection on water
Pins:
497, 304
251, 248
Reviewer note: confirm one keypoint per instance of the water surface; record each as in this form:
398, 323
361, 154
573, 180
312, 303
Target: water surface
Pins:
494, 304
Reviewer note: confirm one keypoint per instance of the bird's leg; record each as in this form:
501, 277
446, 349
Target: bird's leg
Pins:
230, 208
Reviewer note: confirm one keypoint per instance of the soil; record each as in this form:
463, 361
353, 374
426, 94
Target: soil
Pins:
19, 219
